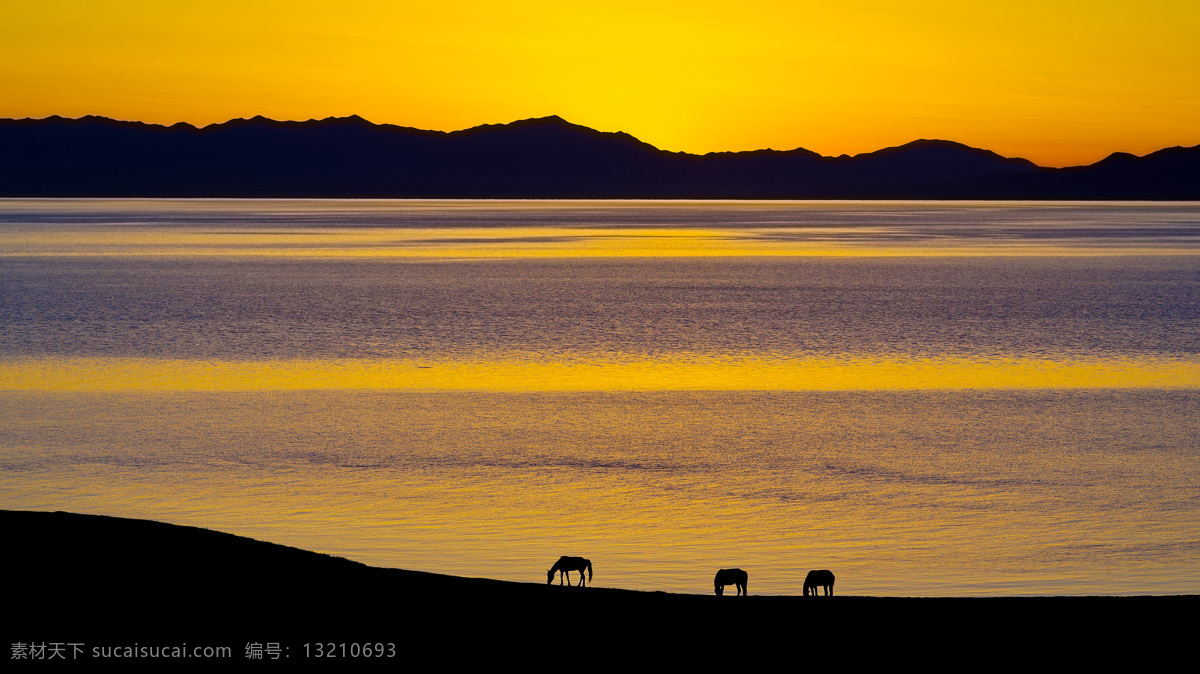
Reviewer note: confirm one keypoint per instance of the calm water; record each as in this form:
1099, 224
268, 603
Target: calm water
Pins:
927, 398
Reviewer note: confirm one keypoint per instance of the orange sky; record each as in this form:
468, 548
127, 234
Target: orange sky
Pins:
1060, 83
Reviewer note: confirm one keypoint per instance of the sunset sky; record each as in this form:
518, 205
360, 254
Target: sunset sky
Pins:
1059, 82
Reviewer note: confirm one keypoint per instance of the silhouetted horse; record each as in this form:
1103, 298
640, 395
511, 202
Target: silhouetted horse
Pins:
731, 577
565, 565
815, 579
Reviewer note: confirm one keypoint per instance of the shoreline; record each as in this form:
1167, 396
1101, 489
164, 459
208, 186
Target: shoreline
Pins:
96, 577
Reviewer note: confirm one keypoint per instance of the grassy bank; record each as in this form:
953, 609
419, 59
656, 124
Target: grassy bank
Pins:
105, 579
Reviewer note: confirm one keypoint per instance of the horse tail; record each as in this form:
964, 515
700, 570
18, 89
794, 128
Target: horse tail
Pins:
589, 570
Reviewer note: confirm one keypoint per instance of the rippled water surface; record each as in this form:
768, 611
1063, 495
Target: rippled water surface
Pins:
927, 398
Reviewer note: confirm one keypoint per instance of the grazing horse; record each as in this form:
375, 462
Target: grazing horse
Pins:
565, 565
815, 579
731, 577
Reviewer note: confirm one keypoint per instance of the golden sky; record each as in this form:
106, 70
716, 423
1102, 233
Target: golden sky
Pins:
1059, 82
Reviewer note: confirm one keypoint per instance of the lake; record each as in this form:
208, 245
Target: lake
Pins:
928, 398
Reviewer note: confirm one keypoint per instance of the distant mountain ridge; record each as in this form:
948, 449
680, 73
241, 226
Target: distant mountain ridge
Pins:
547, 157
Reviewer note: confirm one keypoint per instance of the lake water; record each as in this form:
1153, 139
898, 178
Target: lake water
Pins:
927, 398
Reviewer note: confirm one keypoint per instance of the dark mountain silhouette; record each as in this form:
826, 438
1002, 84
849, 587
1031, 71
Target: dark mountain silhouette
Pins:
533, 158
1169, 174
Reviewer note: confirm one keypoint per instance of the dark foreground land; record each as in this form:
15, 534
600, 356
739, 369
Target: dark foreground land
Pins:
104, 580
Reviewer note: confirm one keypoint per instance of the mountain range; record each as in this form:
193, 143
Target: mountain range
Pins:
547, 157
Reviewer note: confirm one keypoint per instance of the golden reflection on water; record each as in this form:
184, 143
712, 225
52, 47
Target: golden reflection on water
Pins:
680, 374
901, 493
1026, 473
465, 243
